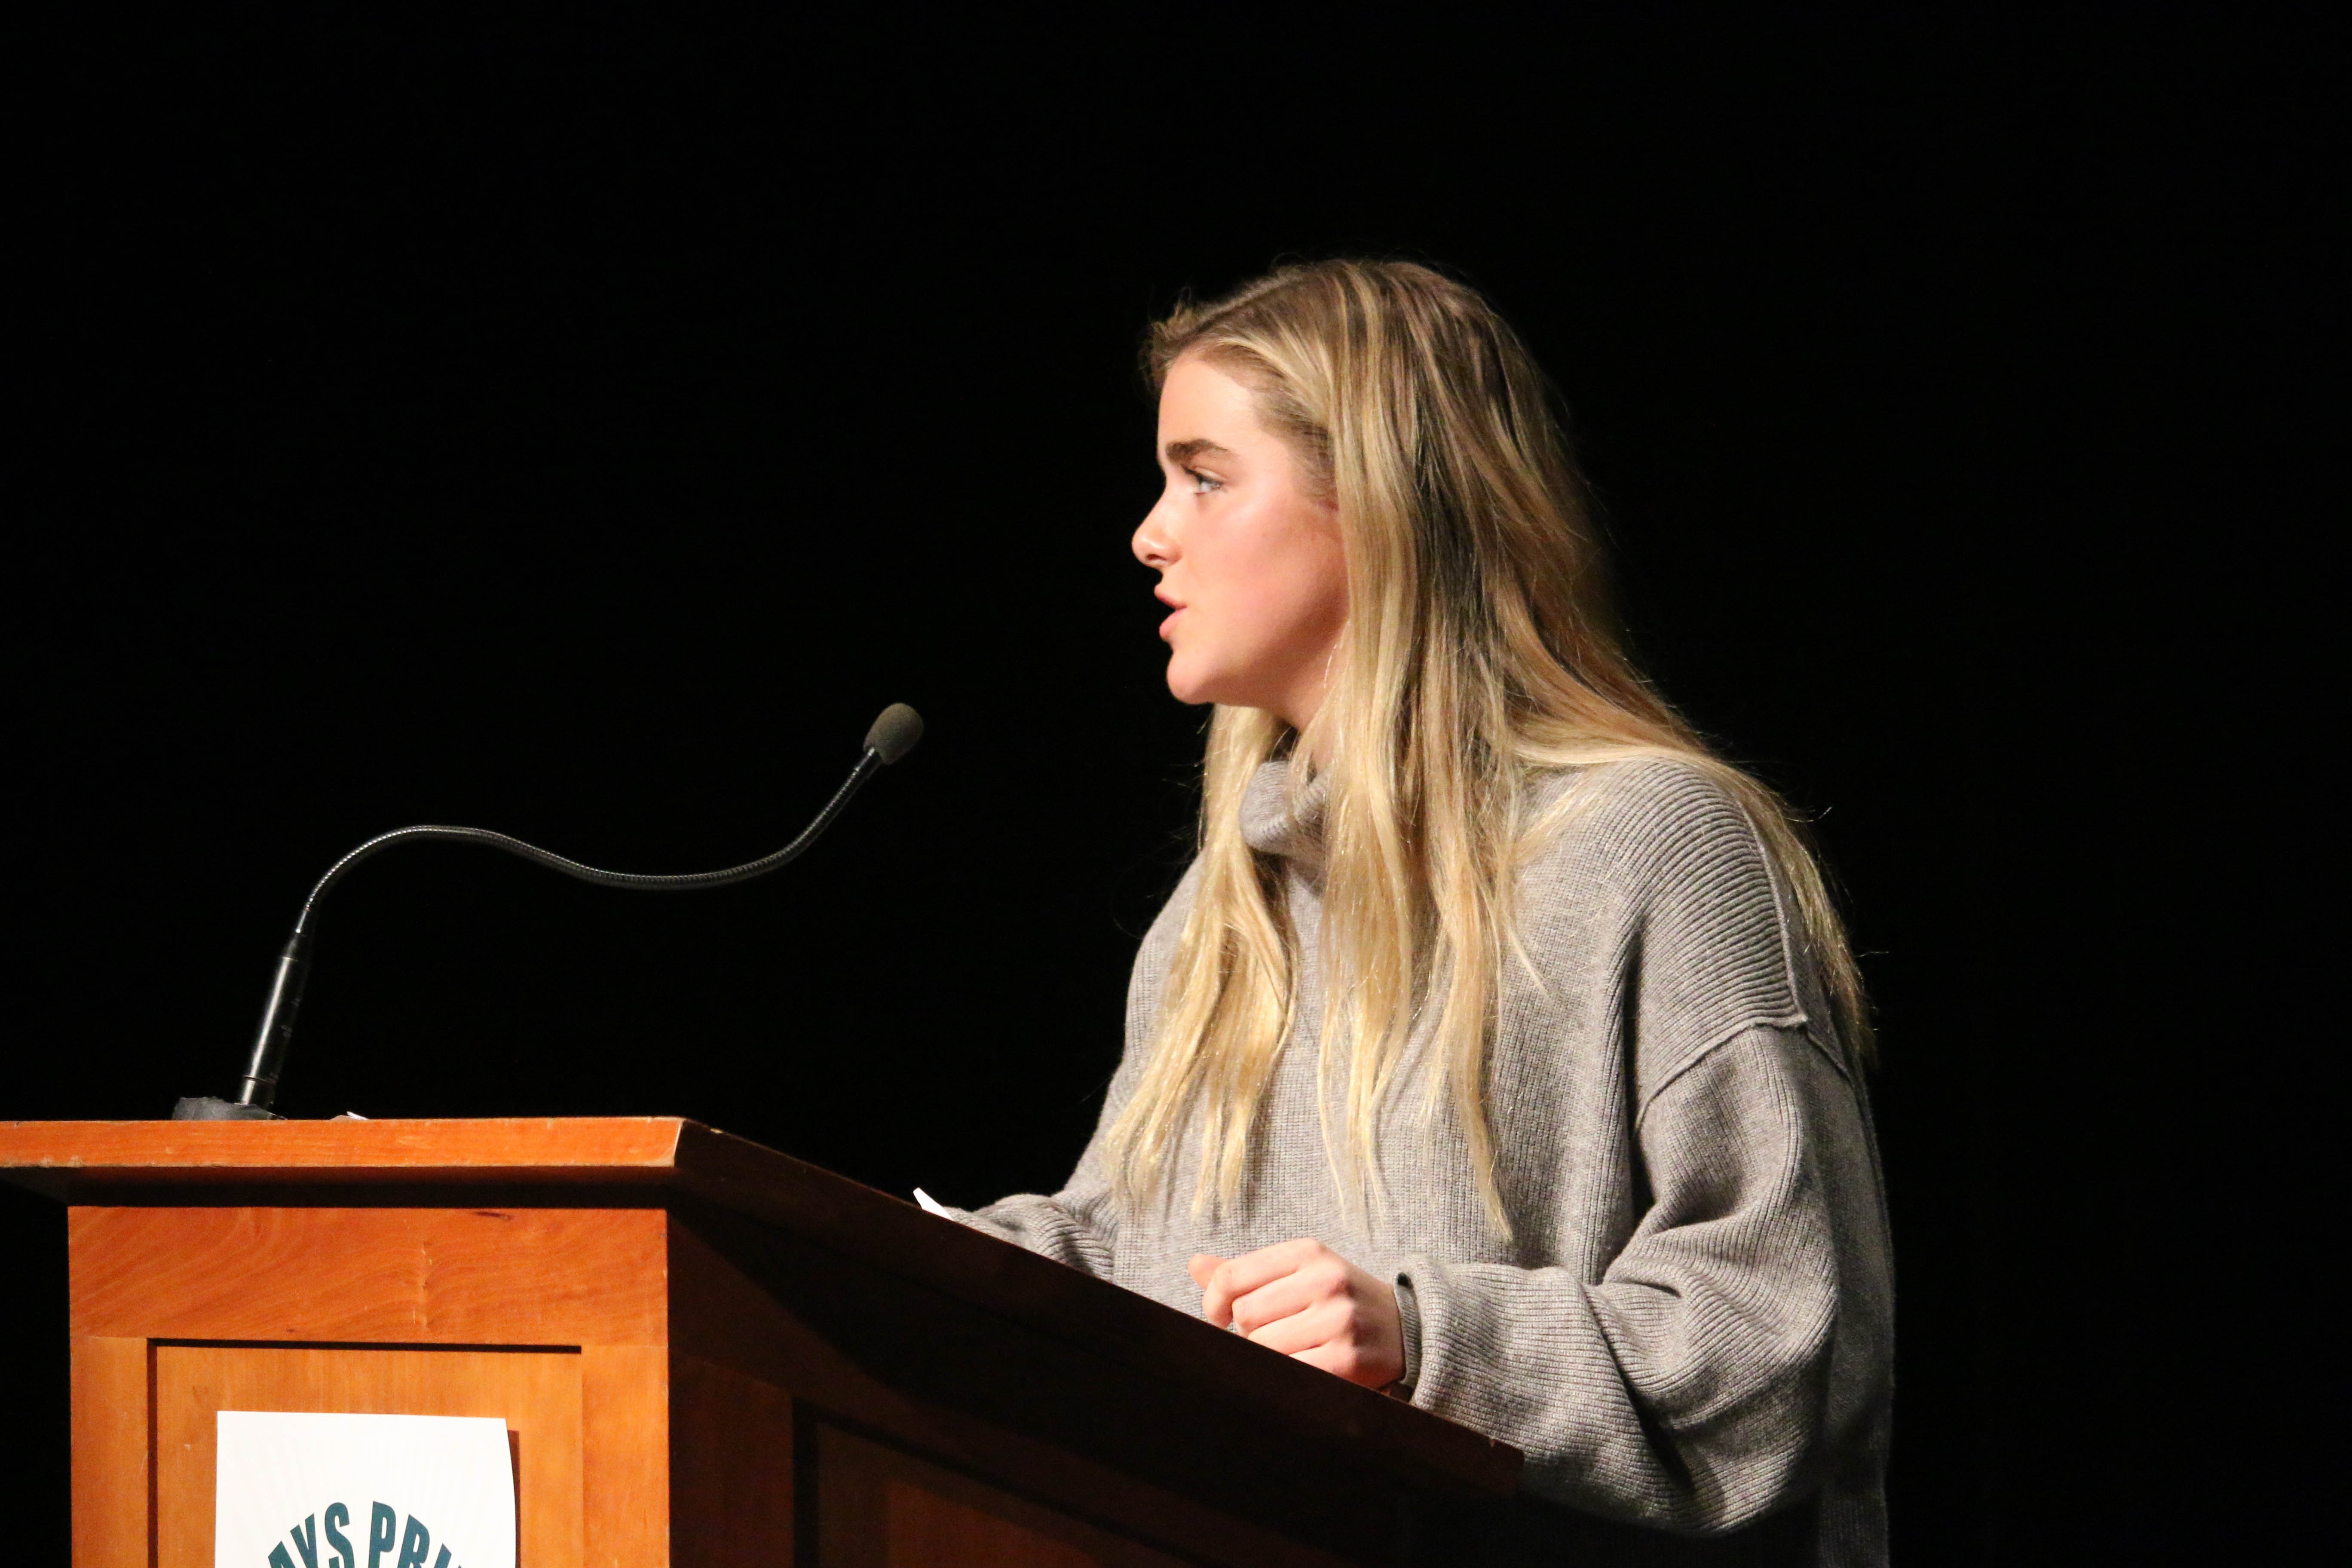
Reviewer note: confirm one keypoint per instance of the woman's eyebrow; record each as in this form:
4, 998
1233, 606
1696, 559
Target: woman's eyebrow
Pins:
1183, 452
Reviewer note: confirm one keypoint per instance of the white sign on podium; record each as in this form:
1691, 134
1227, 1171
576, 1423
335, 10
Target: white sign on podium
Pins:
306, 1490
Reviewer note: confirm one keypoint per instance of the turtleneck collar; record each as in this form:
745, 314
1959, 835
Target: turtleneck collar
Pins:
1276, 822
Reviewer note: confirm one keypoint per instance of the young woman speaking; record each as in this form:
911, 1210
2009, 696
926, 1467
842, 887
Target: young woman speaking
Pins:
1501, 1047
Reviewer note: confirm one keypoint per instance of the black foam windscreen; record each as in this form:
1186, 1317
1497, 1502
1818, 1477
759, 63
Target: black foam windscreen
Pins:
894, 735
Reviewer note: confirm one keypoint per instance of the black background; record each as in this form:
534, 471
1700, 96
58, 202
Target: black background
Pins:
582, 430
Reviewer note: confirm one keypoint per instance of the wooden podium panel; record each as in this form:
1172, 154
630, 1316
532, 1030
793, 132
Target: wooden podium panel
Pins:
706, 1353
555, 1319
537, 1392
439, 1276
880, 1507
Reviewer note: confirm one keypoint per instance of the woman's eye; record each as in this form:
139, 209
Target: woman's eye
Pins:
1203, 484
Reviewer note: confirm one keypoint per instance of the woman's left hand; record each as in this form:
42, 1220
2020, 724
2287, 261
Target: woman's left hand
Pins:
1306, 1300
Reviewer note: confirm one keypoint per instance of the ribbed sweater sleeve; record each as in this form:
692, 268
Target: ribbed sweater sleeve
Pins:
1074, 1225
1684, 1388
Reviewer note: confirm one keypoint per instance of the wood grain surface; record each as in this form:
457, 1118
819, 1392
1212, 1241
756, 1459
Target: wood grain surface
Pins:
730, 1467
881, 1508
537, 1394
545, 1146
625, 1412
487, 1277
110, 1453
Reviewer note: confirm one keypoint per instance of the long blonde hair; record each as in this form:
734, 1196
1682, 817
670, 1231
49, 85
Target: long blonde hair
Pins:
1478, 653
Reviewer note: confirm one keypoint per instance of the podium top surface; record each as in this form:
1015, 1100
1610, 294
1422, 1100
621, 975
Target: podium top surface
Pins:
49, 1155
649, 1160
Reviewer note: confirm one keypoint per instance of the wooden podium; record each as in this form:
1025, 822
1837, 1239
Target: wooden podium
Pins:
705, 1352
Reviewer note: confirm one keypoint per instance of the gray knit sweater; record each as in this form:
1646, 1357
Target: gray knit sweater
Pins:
1692, 1326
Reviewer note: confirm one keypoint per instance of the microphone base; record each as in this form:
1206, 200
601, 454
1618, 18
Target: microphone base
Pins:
205, 1107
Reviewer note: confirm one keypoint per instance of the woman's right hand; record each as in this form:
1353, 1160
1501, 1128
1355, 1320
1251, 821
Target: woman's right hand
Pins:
1306, 1300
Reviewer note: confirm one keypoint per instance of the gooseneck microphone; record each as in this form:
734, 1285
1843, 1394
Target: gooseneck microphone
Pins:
893, 735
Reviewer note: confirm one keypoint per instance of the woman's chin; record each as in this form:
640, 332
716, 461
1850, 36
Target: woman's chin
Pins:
1189, 685
1197, 687
1190, 693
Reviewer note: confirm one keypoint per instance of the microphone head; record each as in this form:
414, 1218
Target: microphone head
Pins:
895, 733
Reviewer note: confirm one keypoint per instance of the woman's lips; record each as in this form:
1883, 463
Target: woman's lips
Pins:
1170, 622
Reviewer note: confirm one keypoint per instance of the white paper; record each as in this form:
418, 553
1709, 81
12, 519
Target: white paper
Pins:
307, 1490
931, 1204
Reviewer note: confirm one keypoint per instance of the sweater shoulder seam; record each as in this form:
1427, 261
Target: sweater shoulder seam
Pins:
1794, 1023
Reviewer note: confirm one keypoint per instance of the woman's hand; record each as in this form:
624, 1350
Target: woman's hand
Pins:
1306, 1300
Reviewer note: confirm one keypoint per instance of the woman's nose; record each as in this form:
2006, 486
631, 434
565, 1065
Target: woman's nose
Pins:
1151, 543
